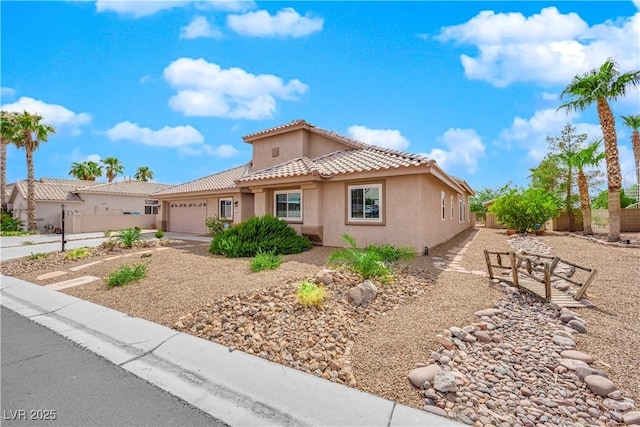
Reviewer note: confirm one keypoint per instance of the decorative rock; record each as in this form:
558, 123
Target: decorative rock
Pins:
435, 410
482, 336
615, 395
578, 326
444, 341
566, 317
489, 312
563, 341
457, 332
419, 376
577, 355
445, 381
631, 418
571, 364
600, 385
363, 293
583, 371
324, 276
619, 405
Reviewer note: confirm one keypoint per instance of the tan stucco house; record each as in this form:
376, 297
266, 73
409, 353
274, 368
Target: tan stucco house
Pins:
326, 184
89, 205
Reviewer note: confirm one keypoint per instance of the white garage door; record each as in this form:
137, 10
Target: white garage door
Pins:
188, 216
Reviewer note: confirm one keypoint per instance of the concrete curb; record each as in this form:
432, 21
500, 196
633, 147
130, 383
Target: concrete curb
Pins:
234, 387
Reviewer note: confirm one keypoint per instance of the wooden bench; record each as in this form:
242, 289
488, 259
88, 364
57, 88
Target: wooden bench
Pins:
541, 269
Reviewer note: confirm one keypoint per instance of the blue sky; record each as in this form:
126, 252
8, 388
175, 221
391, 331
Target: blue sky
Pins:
175, 85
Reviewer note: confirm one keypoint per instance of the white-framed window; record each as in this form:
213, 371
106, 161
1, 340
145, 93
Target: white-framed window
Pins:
461, 208
442, 205
465, 200
225, 208
288, 205
364, 203
151, 207
452, 209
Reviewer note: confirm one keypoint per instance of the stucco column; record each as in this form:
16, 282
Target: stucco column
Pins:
260, 202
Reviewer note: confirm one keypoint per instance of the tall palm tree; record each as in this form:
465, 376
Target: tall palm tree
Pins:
79, 170
143, 174
634, 123
588, 156
94, 170
8, 135
113, 167
33, 133
600, 86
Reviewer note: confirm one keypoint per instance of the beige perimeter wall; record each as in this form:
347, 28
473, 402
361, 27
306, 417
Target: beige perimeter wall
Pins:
92, 223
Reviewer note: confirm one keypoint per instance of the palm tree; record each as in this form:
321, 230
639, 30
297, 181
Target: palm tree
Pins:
8, 136
143, 174
600, 86
33, 133
94, 170
86, 171
113, 167
79, 171
634, 123
588, 156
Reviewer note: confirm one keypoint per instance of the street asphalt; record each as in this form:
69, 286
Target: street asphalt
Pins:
102, 365
49, 380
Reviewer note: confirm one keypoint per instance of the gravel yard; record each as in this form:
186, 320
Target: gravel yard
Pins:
372, 347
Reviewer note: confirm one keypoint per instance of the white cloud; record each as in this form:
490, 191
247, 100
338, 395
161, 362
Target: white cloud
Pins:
387, 138
52, 114
637, 3
7, 92
549, 96
200, 28
178, 136
146, 79
137, 9
548, 47
205, 89
286, 23
93, 158
531, 134
463, 148
223, 151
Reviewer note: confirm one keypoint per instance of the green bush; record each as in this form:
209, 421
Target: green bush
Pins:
522, 210
76, 254
369, 262
266, 233
127, 274
389, 253
159, 234
37, 255
216, 225
309, 294
8, 223
265, 261
128, 237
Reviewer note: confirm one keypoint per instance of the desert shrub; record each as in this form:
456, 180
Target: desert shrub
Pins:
266, 233
389, 253
368, 262
106, 233
265, 261
75, 254
127, 274
137, 228
128, 237
15, 233
309, 294
159, 234
8, 223
37, 255
216, 225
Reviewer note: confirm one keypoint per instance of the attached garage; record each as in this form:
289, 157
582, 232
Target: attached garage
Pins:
188, 216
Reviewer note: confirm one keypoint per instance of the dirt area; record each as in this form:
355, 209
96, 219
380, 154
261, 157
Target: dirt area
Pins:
187, 284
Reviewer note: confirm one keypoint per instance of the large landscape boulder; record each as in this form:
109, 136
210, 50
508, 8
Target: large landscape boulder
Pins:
364, 293
419, 376
600, 385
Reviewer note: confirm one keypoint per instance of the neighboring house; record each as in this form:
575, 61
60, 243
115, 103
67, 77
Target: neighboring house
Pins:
84, 198
325, 184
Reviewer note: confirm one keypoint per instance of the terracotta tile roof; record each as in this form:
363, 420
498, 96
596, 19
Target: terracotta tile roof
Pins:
132, 188
341, 162
218, 181
77, 183
50, 191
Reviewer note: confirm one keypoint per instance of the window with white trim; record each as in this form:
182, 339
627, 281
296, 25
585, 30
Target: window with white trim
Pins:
364, 203
151, 207
225, 208
452, 209
461, 207
288, 205
442, 205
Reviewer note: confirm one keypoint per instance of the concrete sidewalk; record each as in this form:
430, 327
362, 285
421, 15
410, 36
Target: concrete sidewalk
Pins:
234, 387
